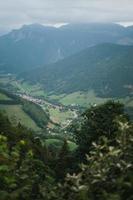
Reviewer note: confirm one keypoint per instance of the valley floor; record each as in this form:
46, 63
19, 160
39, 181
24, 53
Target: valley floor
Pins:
62, 108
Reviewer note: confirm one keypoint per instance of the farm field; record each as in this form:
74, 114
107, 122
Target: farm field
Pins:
4, 97
84, 99
78, 99
60, 117
16, 115
34, 90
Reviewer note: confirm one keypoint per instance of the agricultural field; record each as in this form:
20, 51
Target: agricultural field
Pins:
84, 99
60, 117
4, 97
22, 87
4, 80
34, 90
56, 114
16, 115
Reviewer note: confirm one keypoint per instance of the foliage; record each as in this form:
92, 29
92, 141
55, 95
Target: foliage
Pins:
29, 169
23, 163
63, 161
107, 175
99, 121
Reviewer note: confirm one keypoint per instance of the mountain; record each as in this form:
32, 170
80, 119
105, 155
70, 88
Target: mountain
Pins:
35, 45
3, 30
105, 68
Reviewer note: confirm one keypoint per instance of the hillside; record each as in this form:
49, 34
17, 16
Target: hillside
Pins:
107, 69
33, 167
21, 111
35, 45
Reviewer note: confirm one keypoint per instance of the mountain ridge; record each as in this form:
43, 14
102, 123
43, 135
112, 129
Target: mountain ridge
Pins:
94, 68
35, 45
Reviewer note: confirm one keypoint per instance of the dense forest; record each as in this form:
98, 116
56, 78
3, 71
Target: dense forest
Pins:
100, 168
98, 66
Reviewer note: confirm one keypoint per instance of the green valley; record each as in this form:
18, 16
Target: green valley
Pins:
66, 103
83, 99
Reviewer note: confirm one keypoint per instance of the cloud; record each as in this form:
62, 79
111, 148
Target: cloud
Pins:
14, 13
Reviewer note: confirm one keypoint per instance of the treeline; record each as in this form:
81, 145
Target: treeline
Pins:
10, 95
13, 98
8, 102
100, 168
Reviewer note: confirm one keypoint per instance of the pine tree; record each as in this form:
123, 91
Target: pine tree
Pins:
63, 161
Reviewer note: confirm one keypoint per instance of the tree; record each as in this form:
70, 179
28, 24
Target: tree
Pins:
63, 161
99, 121
107, 174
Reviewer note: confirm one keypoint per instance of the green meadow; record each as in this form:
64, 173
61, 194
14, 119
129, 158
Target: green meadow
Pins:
16, 115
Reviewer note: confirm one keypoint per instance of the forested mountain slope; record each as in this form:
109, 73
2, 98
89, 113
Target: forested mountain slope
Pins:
105, 68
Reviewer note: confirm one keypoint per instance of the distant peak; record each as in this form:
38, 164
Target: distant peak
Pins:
35, 25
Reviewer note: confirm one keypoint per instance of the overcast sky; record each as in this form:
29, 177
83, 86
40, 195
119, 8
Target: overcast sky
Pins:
14, 13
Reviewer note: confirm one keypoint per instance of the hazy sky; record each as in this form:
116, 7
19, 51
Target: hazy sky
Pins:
14, 13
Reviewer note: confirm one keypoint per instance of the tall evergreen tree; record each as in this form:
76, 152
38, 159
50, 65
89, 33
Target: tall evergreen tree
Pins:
63, 161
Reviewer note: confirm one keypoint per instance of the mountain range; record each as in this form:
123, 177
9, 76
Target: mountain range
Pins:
74, 57
35, 45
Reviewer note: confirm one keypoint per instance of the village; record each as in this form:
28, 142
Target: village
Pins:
46, 105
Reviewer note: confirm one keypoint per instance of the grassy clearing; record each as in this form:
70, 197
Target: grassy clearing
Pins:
58, 116
23, 87
39, 93
4, 80
89, 98
16, 115
33, 90
58, 144
82, 99
4, 97
56, 97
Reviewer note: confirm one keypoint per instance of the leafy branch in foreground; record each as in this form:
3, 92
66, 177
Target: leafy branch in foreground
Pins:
107, 175
29, 170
